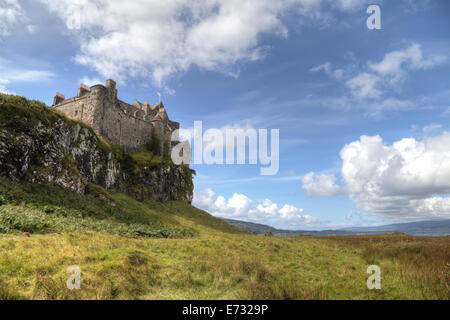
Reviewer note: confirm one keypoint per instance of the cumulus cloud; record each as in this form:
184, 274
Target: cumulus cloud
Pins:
240, 207
320, 184
409, 179
160, 38
10, 13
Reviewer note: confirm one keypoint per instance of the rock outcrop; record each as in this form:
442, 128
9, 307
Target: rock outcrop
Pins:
41, 146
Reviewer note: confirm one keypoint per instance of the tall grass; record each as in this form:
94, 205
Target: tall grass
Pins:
151, 250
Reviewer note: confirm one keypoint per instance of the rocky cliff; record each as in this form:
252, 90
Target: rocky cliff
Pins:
40, 145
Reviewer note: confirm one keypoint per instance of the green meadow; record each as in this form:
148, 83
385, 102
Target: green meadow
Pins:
150, 250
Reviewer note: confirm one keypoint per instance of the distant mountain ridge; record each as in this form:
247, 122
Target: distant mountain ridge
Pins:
425, 228
421, 227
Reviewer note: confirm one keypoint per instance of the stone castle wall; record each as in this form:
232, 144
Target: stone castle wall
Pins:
116, 121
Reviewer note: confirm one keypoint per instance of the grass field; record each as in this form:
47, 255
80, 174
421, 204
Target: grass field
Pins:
133, 250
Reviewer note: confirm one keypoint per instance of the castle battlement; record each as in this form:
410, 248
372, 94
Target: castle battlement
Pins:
128, 125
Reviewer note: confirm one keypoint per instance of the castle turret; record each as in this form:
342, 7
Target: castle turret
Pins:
111, 87
96, 107
82, 90
59, 97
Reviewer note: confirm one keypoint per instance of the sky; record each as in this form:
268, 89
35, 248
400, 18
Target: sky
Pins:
362, 113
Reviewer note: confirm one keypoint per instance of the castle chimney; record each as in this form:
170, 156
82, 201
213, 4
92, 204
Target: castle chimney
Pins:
59, 97
82, 90
111, 86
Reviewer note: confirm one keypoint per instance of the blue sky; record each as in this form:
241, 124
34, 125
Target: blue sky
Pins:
362, 113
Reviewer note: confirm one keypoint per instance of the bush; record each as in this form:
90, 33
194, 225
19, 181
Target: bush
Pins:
154, 145
3, 228
98, 191
23, 220
2, 200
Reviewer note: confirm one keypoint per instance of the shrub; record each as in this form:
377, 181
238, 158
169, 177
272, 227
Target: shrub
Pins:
154, 145
129, 166
3, 228
2, 200
98, 192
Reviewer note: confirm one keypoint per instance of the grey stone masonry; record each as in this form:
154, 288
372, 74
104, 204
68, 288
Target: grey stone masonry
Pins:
127, 125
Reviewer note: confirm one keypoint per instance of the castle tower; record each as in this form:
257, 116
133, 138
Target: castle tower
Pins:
59, 97
111, 87
83, 90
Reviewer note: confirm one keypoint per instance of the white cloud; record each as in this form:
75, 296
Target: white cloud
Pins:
365, 85
431, 128
10, 13
395, 64
31, 28
10, 75
160, 38
91, 81
380, 79
351, 5
240, 207
409, 179
327, 68
21, 75
411, 57
3, 88
320, 184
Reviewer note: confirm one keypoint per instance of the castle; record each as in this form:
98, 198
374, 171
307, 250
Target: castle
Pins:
127, 125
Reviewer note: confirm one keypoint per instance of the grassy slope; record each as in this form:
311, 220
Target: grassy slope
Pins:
215, 262
150, 250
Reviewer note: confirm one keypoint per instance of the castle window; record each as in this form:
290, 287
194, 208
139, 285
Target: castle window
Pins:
76, 113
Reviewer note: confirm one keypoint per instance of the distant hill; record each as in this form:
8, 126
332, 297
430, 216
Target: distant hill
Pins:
251, 227
425, 228
440, 227
262, 228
